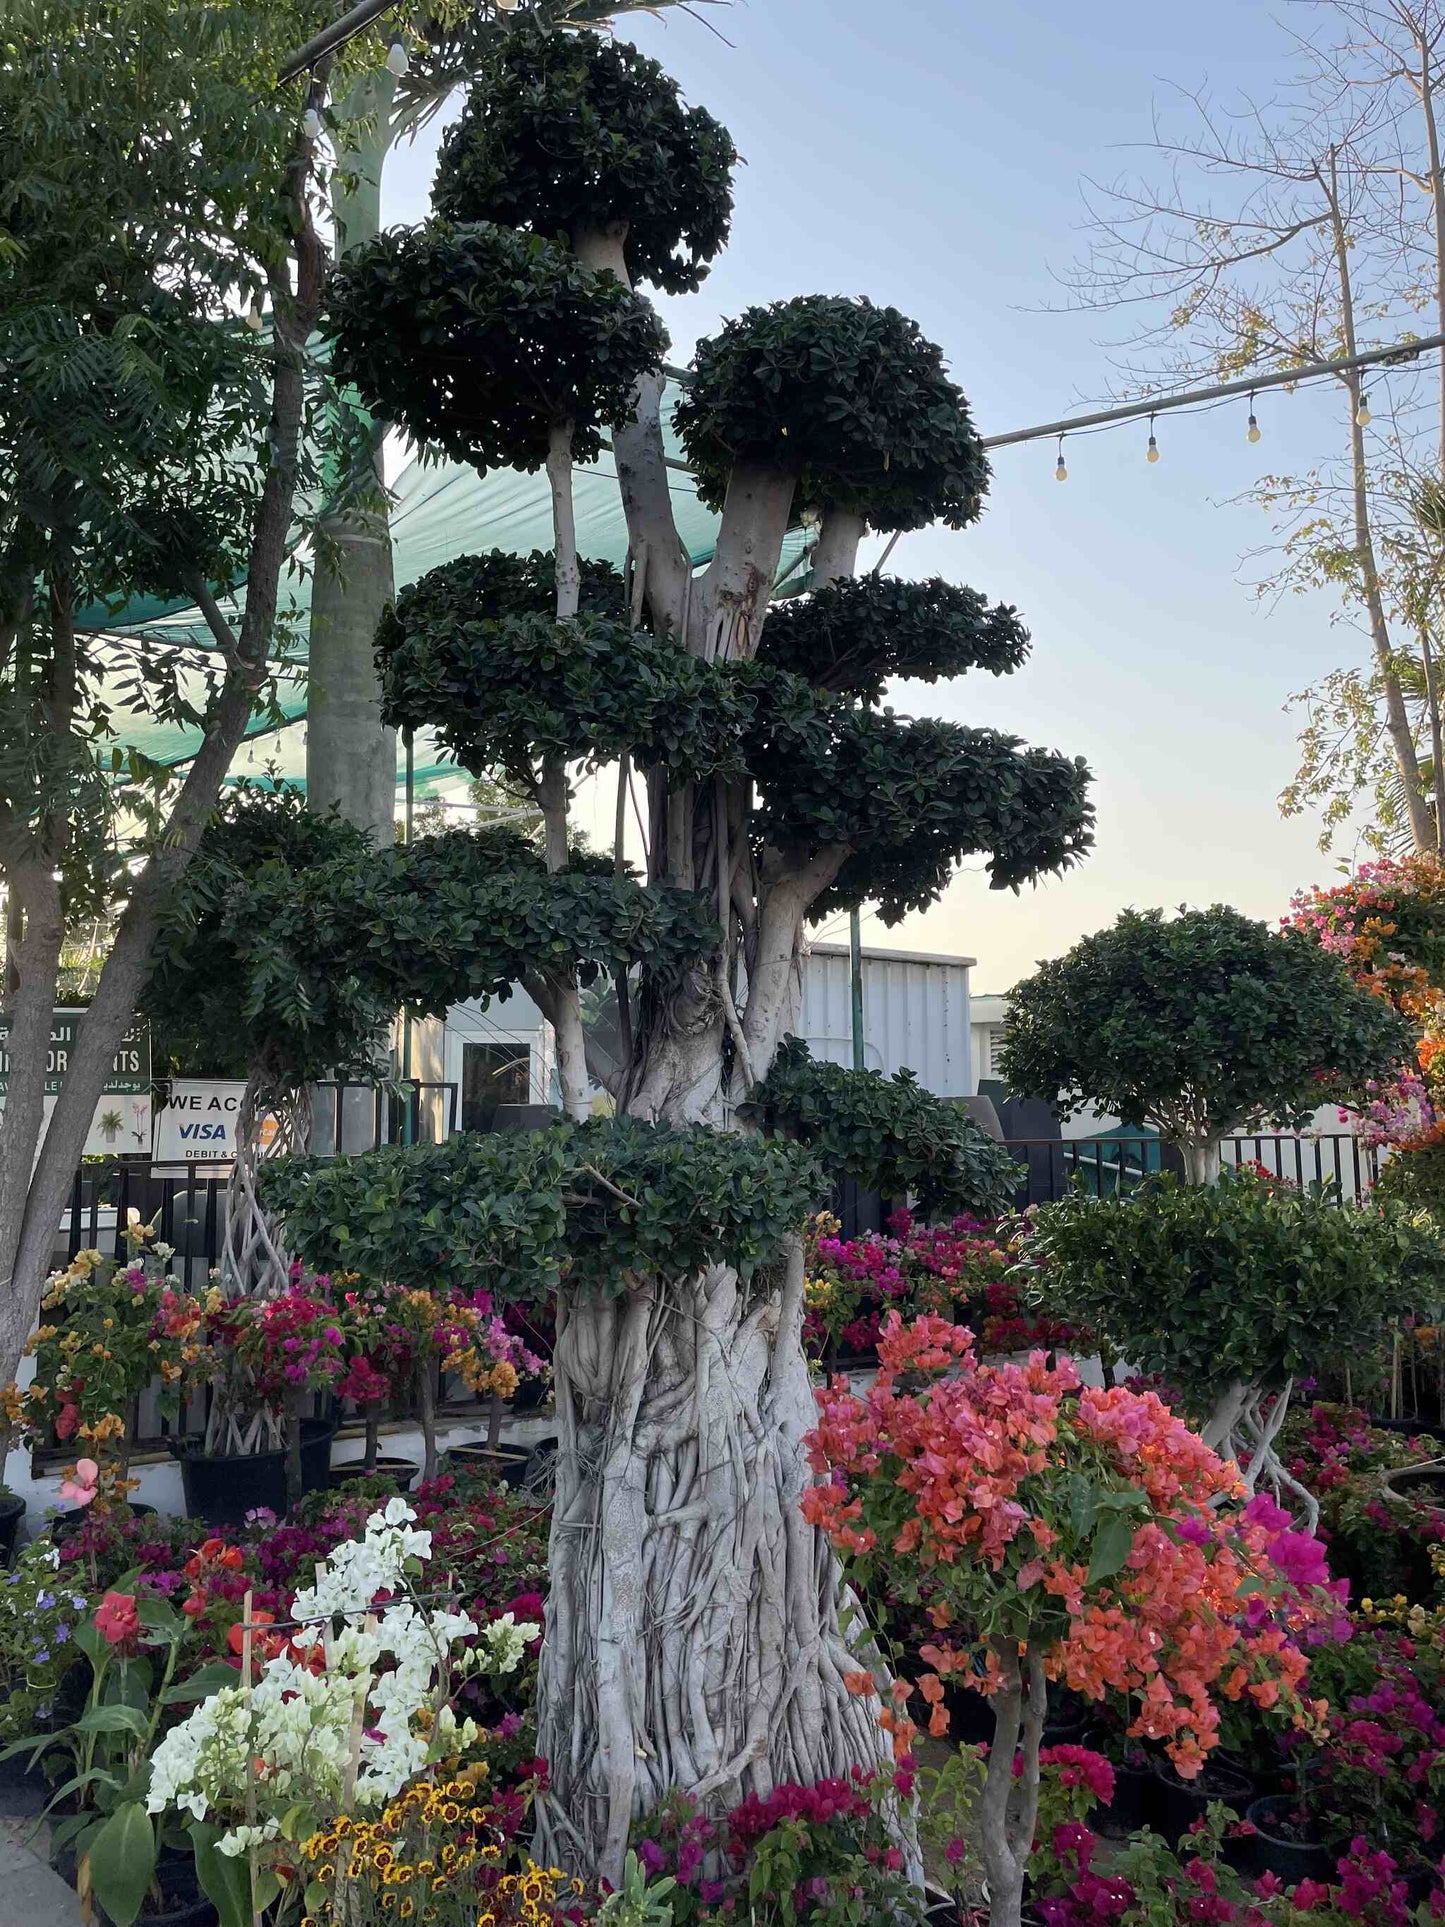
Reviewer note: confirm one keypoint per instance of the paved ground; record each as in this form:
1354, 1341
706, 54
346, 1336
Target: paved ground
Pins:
31, 1893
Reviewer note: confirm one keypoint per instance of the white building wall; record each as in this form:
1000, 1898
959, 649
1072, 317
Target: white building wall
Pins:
915, 1014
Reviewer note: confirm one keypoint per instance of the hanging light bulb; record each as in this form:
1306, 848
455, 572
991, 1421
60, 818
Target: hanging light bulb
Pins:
311, 124
1251, 434
255, 317
1151, 453
1061, 473
1362, 413
397, 59
505, 6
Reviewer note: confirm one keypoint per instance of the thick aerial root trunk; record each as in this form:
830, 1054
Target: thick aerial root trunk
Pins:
1244, 1426
693, 1635
274, 1120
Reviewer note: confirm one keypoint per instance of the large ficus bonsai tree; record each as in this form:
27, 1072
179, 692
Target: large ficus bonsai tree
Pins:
1198, 1024
693, 1627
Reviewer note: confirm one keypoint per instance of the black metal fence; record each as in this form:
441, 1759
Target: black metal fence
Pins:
1109, 1166
187, 1205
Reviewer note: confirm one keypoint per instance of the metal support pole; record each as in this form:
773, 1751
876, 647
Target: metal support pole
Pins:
855, 973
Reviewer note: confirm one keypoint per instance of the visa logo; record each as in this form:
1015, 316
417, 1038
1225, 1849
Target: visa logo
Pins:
215, 1133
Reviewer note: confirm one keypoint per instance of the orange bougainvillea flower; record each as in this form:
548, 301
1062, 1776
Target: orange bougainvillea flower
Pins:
861, 1684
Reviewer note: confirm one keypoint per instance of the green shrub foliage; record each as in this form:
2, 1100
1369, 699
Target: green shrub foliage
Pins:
849, 397
1198, 1024
856, 634
567, 133
888, 1133
605, 1199
1415, 1176
472, 649
475, 339
1248, 1279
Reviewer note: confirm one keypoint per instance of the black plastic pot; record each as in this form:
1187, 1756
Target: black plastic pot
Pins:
221, 1490
1424, 1483
1067, 1721
12, 1511
1410, 1427
1291, 1860
64, 1523
182, 1902
1138, 1799
530, 1393
970, 1714
402, 1472
1182, 1802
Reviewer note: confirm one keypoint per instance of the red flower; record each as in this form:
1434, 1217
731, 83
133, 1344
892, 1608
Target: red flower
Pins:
116, 1618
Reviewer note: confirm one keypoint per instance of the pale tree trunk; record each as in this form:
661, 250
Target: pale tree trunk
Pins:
1397, 720
1244, 1426
273, 1120
350, 754
1203, 1161
25, 1249
565, 1004
692, 1623
1009, 1805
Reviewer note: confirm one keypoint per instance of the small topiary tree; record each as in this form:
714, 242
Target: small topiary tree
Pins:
1229, 1292
1198, 1024
212, 1010
693, 1628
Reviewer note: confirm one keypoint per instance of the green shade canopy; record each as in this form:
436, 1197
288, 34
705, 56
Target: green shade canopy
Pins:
439, 510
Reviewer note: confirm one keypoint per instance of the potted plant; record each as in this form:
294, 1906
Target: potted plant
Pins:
329, 1722
1060, 1530
261, 1360
110, 1329
99, 1763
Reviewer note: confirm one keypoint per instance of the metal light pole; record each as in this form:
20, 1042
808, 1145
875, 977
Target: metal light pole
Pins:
855, 975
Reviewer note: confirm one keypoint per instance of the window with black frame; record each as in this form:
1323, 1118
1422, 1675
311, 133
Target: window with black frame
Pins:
493, 1074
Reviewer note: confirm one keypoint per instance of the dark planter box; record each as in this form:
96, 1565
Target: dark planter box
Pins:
12, 1511
222, 1490
507, 1462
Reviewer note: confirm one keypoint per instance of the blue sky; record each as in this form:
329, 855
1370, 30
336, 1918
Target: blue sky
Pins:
929, 153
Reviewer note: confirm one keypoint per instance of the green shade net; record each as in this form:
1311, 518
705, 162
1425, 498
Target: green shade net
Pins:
440, 510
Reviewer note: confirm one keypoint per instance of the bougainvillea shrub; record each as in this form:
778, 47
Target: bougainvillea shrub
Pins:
957, 1270
1060, 1532
1378, 1541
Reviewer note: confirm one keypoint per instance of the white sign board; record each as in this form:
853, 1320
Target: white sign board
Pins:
121, 1123
198, 1124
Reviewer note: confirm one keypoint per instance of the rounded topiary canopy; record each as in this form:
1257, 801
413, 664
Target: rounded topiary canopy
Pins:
566, 133
849, 397
476, 339
911, 800
1198, 1024
859, 632
473, 649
